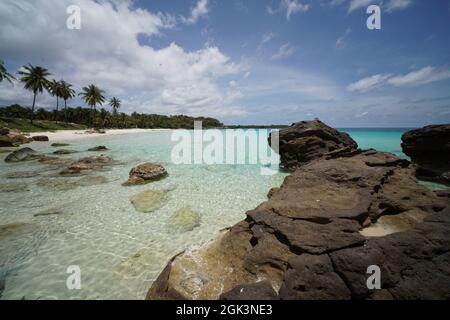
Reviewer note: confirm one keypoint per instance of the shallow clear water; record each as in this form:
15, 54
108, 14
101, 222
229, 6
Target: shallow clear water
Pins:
121, 251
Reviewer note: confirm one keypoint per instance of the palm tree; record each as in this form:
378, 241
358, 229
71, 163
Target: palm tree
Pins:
35, 80
66, 93
92, 95
55, 90
4, 73
115, 104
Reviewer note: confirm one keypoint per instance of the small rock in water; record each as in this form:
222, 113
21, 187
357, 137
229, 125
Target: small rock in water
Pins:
145, 173
185, 220
6, 142
57, 184
7, 230
99, 148
87, 164
22, 175
57, 145
149, 201
24, 154
40, 138
64, 151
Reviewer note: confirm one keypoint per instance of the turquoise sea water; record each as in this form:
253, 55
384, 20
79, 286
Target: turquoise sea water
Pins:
119, 250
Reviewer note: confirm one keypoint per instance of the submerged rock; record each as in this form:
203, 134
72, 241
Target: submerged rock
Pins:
13, 187
99, 148
184, 220
58, 145
64, 151
64, 184
11, 229
149, 200
24, 154
40, 138
429, 148
145, 173
308, 140
307, 240
22, 174
87, 164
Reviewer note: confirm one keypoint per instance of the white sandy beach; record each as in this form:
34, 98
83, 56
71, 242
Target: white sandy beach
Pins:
63, 135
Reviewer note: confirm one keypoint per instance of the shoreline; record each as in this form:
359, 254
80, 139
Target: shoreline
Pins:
65, 135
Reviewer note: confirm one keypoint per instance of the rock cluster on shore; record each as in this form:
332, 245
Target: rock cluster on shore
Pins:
429, 148
145, 173
309, 240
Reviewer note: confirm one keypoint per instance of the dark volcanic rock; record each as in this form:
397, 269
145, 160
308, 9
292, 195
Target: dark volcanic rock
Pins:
24, 154
99, 148
4, 131
429, 148
40, 138
64, 151
145, 173
57, 145
307, 241
308, 140
6, 142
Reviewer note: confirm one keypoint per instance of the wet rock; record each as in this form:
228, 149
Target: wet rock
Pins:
40, 138
87, 164
6, 142
149, 200
58, 145
184, 220
308, 140
99, 148
429, 148
64, 151
308, 239
145, 173
50, 212
24, 154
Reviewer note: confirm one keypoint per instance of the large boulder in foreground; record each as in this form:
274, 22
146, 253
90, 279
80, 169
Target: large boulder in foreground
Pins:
308, 241
308, 140
145, 173
429, 148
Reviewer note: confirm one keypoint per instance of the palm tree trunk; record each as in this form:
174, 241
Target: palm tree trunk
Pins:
65, 111
32, 108
57, 107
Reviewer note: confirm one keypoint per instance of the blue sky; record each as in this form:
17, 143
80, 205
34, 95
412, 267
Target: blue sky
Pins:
243, 61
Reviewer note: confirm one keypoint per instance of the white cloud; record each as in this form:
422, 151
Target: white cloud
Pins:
267, 37
369, 83
422, 76
106, 52
393, 5
285, 51
293, 6
290, 6
415, 78
200, 10
356, 4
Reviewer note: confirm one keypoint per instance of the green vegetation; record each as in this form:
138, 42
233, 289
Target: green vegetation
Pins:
24, 125
4, 75
13, 117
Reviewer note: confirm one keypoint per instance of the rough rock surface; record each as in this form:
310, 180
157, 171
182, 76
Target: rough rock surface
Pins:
308, 140
87, 164
24, 154
429, 148
145, 173
307, 241
6, 142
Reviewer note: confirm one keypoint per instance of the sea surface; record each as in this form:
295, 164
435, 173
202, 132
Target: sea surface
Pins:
120, 251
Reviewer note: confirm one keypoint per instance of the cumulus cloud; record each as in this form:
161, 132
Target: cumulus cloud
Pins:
388, 5
285, 51
106, 52
200, 10
414, 78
